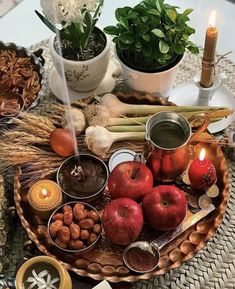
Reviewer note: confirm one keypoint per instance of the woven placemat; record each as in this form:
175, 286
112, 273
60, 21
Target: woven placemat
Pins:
212, 267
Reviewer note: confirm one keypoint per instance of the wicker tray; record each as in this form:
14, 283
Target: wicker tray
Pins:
105, 261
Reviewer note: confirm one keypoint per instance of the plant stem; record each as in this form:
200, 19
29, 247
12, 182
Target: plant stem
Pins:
119, 136
151, 109
141, 128
127, 120
128, 128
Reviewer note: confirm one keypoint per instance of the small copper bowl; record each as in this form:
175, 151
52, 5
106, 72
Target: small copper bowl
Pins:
96, 176
87, 245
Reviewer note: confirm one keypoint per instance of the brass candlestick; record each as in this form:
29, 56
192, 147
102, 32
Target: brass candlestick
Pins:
207, 73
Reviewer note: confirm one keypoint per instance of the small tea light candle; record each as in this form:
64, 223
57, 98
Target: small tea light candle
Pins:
44, 197
202, 173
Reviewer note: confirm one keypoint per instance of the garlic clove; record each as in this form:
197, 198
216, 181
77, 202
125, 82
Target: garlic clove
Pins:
74, 118
98, 140
97, 114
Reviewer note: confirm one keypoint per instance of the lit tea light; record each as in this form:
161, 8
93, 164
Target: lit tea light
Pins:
44, 194
202, 173
209, 52
44, 197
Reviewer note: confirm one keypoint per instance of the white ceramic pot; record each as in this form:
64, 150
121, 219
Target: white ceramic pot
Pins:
156, 83
82, 75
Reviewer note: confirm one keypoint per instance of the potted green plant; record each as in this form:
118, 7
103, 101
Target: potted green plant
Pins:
151, 39
79, 45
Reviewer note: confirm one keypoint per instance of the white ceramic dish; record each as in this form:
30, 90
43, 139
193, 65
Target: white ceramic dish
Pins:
187, 93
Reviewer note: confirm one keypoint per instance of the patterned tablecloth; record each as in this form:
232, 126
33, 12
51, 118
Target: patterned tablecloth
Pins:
212, 267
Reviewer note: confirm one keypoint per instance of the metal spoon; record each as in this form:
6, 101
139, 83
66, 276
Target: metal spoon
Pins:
145, 251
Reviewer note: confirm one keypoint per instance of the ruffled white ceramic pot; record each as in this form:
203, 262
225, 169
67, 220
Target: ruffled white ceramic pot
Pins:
85, 75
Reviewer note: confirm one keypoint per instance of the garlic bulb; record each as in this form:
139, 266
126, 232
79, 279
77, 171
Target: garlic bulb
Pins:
74, 118
98, 140
97, 114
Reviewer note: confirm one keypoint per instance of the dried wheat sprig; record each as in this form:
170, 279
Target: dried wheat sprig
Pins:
23, 138
56, 113
34, 124
42, 122
28, 180
16, 154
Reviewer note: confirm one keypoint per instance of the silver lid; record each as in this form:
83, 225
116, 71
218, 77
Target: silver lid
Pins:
121, 156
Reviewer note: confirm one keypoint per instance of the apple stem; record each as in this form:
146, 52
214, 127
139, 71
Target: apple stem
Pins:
134, 173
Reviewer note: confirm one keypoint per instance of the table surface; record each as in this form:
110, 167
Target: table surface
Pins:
214, 266
22, 26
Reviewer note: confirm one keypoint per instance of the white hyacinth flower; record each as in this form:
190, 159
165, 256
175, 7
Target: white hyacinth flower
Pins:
67, 12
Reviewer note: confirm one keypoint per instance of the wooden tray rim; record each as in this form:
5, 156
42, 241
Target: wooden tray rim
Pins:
218, 216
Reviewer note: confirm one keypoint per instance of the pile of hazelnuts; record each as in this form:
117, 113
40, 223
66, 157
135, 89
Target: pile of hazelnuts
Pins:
75, 226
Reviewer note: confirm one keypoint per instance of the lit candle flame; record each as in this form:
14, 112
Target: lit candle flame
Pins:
202, 155
212, 19
45, 193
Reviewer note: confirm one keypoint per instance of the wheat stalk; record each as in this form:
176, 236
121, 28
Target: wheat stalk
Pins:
13, 154
24, 138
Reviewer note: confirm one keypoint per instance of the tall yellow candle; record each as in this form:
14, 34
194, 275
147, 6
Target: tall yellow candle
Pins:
209, 52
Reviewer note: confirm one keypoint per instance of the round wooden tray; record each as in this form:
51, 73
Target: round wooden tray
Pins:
105, 261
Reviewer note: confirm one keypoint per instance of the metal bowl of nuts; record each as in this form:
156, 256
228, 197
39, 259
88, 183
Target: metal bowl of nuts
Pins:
22, 72
75, 227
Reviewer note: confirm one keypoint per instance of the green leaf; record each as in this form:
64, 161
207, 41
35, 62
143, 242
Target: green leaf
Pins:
154, 12
187, 12
144, 19
132, 15
97, 13
163, 47
122, 45
158, 32
146, 37
193, 48
124, 22
111, 30
141, 29
122, 12
179, 49
172, 14
127, 38
138, 44
87, 31
159, 5
47, 23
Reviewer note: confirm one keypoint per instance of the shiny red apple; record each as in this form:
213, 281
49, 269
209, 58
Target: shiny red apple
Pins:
165, 207
130, 179
122, 221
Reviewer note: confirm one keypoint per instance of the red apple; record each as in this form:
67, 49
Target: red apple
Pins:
165, 207
130, 179
122, 221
